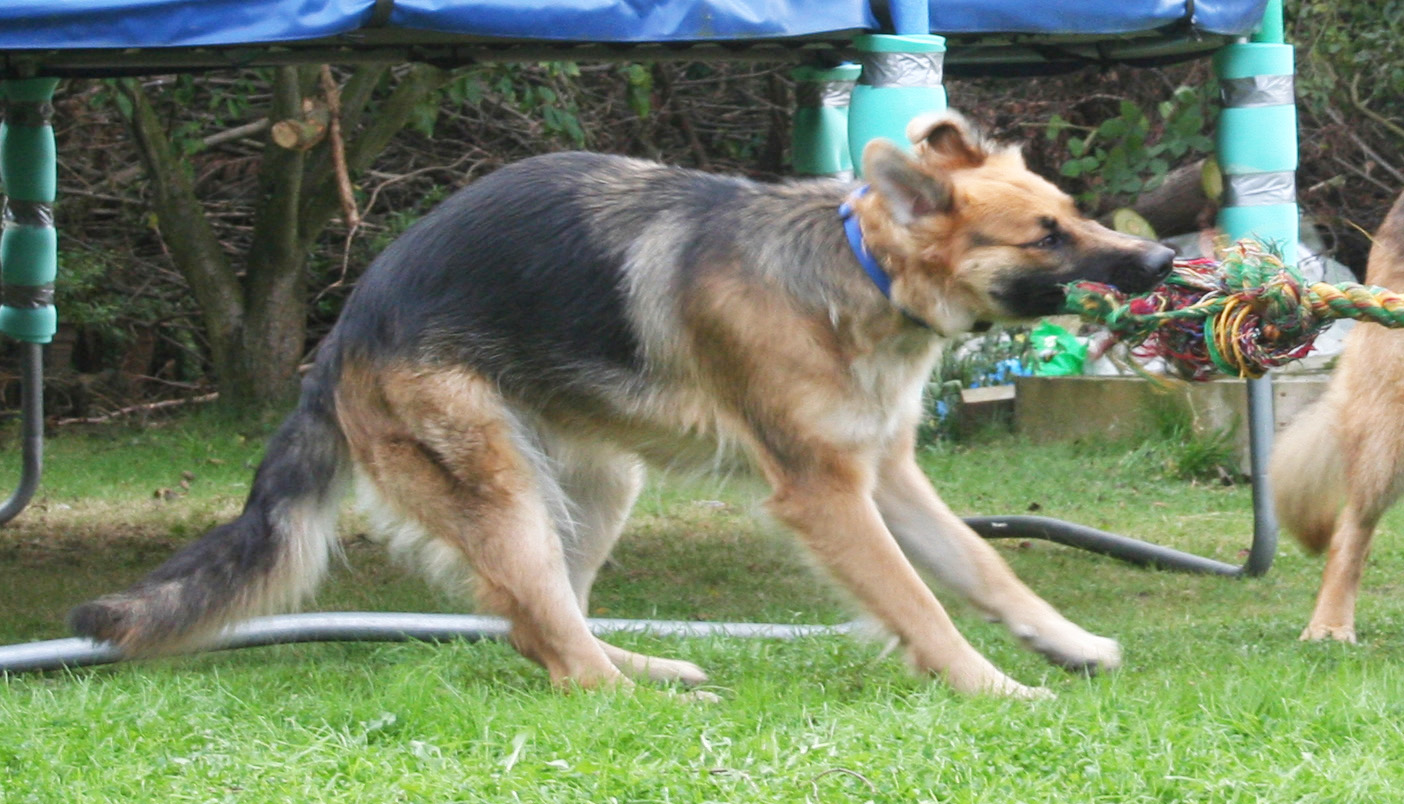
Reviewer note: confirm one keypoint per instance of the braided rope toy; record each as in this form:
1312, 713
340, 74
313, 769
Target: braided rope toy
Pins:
1240, 315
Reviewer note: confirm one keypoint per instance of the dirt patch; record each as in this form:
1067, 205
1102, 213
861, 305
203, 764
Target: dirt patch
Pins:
109, 533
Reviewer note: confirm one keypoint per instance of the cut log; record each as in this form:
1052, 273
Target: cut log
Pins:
1179, 204
302, 134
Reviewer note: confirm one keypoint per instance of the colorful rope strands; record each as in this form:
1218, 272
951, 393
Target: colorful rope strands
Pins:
1239, 315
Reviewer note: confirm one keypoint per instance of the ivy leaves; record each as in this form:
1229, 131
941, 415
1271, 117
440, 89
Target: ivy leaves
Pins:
1132, 152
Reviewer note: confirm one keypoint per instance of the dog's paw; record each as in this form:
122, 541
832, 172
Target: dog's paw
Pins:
673, 670
1317, 632
1023, 692
989, 681
973, 674
698, 696
653, 668
1070, 647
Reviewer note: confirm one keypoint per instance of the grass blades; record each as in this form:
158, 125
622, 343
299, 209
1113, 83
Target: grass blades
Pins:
1217, 702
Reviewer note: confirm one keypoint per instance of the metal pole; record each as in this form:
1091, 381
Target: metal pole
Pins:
1125, 548
31, 431
357, 626
1261, 423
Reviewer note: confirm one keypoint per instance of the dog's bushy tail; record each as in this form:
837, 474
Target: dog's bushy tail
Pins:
267, 560
1308, 478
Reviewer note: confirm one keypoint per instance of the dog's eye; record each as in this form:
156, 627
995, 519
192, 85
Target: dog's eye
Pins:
1051, 240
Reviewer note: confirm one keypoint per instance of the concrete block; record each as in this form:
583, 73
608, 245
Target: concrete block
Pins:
1056, 408
983, 408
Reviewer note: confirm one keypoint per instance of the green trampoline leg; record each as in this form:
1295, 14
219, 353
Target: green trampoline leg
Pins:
820, 135
901, 79
1257, 151
29, 244
28, 258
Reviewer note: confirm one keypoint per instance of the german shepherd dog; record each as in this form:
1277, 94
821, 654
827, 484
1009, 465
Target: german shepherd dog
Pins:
1340, 465
504, 370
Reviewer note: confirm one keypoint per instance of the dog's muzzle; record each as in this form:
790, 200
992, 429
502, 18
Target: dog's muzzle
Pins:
1145, 270
1158, 263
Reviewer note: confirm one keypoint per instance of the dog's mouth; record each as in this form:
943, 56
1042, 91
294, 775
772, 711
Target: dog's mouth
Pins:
1041, 293
1032, 295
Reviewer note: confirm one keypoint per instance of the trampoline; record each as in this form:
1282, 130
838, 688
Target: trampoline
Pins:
111, 37
867, 66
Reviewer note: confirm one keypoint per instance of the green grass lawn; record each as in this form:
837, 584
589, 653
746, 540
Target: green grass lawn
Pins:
1217, 700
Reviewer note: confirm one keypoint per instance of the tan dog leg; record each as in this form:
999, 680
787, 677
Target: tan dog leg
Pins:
1334, 615
939, 542
602, 485
445, 453
835, 515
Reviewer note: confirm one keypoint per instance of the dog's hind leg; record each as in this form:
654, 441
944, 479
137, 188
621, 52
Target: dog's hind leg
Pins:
939, 542
447, 455
601, 485
1334, 614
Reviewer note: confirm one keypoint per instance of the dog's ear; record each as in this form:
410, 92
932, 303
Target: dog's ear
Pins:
910, 192
948, 140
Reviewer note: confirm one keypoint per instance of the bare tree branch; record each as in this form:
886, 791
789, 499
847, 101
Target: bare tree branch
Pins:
193, 245
323, 200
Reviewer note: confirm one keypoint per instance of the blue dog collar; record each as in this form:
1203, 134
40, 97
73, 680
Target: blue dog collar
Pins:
860, 249
865, 258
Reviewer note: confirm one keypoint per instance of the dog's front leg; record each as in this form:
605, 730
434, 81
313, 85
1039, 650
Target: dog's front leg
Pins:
835, 515
936, 540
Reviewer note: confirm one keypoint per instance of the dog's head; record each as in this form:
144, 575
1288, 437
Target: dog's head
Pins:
970, 234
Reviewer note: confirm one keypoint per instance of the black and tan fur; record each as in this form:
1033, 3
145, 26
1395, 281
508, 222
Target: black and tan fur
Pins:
504, 370
1340, 465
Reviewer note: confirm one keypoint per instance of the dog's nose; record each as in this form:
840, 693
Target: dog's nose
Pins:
1158, 261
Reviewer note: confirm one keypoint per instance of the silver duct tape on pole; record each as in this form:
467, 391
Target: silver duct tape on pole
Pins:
823, 94
884, 69
1260, 189
27, 297
28, 213
29, 114
1258, 90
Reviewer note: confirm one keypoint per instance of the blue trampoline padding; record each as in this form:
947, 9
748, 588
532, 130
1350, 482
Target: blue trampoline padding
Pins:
1225, 17
116, 24
635, 20
109, 24
120, 24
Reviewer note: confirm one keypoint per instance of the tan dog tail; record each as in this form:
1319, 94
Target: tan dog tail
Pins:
1308, 479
